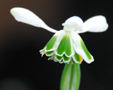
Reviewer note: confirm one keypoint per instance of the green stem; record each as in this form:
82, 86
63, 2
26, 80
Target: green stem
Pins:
71, 75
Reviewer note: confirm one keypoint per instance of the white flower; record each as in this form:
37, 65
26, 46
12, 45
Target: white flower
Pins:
65, 45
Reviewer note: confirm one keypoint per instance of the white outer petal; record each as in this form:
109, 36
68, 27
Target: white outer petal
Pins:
77, 46
28, 17
95, 24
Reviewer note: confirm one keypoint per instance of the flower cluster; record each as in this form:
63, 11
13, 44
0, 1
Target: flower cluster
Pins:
66, 45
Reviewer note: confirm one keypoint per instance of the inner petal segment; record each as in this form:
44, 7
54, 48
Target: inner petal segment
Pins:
65, 46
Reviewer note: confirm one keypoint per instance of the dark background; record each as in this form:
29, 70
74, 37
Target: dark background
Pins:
21, 65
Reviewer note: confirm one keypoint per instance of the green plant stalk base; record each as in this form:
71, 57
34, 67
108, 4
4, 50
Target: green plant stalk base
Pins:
70, 79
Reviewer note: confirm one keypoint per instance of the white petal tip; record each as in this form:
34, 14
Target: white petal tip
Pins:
15, 9
18, 13
95, 24
12, 11
89, 61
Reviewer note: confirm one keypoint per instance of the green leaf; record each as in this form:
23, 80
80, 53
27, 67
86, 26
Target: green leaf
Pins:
71, 75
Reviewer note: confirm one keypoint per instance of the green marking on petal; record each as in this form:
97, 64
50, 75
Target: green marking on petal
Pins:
65, 46
48, 53
58, 57
61, 61
77, 57
85, 50
65, 58
51, 43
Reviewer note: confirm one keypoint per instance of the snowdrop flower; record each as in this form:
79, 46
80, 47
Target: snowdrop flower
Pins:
66, 45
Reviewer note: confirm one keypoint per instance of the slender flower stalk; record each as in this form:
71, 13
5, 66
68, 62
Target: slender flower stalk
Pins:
65, 46
71, 75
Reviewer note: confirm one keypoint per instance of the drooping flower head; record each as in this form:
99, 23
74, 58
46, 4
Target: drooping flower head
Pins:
65, 45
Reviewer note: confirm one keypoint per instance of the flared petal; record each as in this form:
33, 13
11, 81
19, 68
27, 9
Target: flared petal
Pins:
80, 48
95, 24
28, 17
77, 58
65, 47
62, 59
59, 48
53, 43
